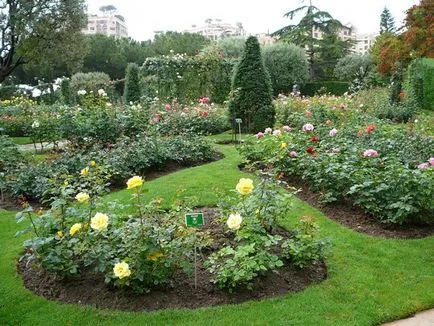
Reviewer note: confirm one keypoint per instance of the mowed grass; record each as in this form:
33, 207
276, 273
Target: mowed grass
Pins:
21, 140
370, 281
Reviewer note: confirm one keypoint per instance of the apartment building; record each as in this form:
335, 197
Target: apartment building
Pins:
362, 42
113, 25
215, 29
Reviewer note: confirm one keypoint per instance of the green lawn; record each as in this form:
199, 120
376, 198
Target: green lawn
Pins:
21, 140
371, 280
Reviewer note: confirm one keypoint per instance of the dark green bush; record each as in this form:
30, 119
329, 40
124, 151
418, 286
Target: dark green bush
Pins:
251, 98
132, 90
322, 87
421, 82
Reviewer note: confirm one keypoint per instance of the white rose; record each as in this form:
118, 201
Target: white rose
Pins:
234, 221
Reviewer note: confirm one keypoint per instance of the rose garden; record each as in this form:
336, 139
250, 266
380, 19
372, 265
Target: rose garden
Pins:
212, 189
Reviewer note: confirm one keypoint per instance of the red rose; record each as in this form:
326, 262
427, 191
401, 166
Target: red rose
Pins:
370, 128
310, 150
314, 139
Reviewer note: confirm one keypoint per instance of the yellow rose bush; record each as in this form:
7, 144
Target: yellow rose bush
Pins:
258, 249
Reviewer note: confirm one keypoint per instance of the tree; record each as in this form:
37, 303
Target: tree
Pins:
330, 49
302, 34
188, 43
37, 30
353, 66
228, 47
287, 65
132, 90
387, 23
108, 10
251, 92
419, 36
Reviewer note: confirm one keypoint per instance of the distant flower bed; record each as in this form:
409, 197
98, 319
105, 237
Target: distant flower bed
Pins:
343, 153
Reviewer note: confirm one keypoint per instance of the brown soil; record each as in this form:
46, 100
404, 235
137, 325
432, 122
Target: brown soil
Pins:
355, 218
89, 289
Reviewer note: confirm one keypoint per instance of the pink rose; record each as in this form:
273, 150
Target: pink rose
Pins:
286, 128
259, 135
423, 166
333, 132
168, 107
370, 153
293, 154
431, 161
268, 130
307, 127
277, 132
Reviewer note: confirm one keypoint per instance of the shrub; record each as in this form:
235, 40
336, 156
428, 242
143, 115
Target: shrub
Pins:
90, 82
287, 65
353, 66
323, 87
132, 91
251, 90
421, 82
65, 90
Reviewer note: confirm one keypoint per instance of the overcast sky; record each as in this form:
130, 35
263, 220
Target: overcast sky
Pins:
260, 16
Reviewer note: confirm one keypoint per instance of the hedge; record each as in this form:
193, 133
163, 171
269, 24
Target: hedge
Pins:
421, 82
333, 87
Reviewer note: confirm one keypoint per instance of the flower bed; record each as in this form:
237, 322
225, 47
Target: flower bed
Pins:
386, 169
150, 250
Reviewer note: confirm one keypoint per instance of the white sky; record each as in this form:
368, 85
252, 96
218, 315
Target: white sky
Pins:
257, 16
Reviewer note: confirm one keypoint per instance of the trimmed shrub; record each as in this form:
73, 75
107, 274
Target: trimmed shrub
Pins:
132, 91
65, 90
333, 87
91, 81
251, 92
421, 82
287, 65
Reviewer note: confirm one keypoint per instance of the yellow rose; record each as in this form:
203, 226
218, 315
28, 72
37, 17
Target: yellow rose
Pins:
82, 197
234, 221
122, 270
155, 256
75, 228
92, 163
85, 171
99, 222
245, 186
59, 234
134, 182
283, 145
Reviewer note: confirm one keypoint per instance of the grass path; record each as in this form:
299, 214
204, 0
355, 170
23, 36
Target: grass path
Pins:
371, 280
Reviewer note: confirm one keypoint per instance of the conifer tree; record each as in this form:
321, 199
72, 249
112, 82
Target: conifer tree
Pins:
387, 23
251, 90
132, 90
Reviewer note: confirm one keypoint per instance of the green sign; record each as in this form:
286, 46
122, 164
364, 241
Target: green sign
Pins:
194, 219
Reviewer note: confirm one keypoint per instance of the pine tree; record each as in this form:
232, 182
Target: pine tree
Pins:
251, 90
387, 23
132, 90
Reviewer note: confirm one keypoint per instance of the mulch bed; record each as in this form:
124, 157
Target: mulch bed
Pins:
355, 218
89, 289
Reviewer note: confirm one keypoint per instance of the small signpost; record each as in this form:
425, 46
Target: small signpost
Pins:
239, 122
194, 220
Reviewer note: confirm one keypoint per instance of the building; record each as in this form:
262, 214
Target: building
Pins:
112, 25
362, 42
215, 29
266, 39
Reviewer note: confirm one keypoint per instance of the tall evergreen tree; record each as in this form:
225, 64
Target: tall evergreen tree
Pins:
132, 91
387, 23
251, 90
